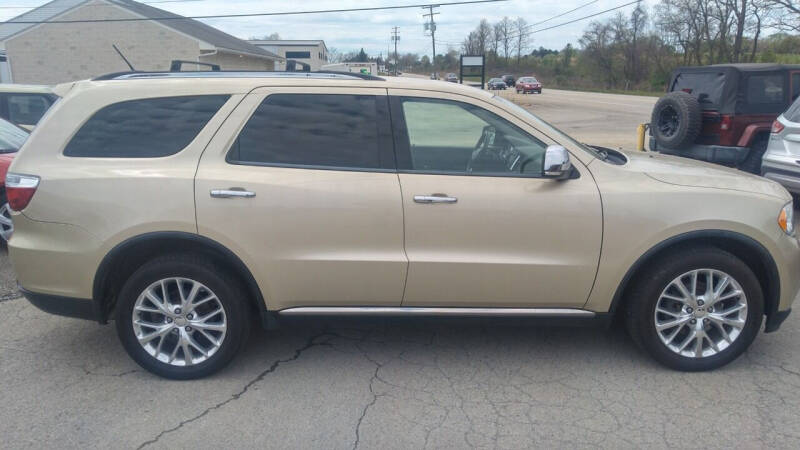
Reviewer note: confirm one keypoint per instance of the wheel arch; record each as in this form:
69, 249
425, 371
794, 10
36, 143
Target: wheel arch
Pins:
127, 256
750, 251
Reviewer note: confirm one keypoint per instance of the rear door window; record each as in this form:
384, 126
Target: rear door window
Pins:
763, 89
27, 109
317, 130
145, 128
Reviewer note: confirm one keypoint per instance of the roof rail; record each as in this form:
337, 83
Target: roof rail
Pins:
323, 74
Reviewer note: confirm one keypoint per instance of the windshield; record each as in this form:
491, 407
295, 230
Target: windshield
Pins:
524, 112
11, 137
528, 80
495, 80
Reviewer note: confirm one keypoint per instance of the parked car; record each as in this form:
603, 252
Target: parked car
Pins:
782, 159
509, 80
496, 84
11, 139
183, 204
23, 104
723, 113
528, 84
451, 77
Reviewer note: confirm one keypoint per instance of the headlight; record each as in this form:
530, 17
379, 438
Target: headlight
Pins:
786, 219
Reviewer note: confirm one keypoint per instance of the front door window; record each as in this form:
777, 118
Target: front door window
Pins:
459, 138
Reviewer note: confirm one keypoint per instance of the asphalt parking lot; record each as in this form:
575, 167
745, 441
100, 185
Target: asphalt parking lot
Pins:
396, 383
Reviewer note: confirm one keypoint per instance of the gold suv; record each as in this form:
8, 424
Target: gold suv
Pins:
183, 204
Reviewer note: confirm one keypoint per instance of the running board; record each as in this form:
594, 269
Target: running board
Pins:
415, 311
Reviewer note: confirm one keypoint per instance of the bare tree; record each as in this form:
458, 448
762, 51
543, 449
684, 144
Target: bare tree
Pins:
334, 55
503, 31
521, 38
789, 17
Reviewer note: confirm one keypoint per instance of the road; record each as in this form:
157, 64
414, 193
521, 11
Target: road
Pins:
340, 384
608, 120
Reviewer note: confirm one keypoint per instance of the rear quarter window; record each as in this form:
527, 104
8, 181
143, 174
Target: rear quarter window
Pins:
793, 113
145, 128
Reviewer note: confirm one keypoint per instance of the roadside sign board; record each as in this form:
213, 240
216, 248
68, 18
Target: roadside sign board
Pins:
472, 66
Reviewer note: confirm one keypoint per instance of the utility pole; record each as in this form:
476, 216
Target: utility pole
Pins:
431, 26
395, 38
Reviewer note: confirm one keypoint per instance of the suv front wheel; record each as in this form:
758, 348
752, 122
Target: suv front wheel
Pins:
181, 317
696, 310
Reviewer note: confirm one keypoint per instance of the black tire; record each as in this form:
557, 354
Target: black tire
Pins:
226, 288
3, 201
676, 120
644, 295
752, 163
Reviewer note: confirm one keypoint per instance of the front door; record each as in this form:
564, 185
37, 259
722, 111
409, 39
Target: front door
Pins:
483, 228
302, 186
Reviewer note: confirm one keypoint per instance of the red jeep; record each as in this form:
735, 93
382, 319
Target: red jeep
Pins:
723, 113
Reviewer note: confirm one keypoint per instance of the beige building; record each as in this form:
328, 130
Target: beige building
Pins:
49, 53
312, 52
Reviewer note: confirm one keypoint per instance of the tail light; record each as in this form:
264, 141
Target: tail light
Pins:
725, 123
20, 190
777, 127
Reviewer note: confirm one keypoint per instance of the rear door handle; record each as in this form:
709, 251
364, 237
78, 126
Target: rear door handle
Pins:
231, 193
435, 198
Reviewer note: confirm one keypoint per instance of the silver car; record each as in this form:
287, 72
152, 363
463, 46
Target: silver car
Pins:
782, 159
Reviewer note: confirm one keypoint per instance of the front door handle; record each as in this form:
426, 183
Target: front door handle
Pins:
231, 193
435, 198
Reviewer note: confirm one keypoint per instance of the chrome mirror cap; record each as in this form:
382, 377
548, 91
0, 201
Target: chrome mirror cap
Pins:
556, 163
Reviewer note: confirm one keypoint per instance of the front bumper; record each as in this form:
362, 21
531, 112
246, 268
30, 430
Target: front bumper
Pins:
79, 308
717, 154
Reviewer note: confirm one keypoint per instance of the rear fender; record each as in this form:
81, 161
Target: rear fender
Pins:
751, 131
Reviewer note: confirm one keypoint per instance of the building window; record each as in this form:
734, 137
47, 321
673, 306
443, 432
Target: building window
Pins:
298, 55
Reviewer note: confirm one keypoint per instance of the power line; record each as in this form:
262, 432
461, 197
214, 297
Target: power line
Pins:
287, 13
574, 20
533, 24
564, 13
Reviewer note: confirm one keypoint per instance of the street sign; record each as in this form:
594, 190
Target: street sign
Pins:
472, 66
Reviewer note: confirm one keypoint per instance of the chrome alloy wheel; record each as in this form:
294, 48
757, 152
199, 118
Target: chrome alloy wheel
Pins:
6, 226
701, 313
179, 321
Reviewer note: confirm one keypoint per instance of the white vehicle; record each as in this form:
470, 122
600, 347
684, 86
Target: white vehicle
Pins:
365, 68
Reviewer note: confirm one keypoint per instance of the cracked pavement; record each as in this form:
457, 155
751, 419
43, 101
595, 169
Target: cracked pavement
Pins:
397, 383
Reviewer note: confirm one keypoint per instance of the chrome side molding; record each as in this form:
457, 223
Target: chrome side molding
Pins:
438, 311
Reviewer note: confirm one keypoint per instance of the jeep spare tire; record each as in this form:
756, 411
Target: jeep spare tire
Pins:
676, 120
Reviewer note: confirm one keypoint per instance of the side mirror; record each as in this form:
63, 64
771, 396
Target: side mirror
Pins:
556, 163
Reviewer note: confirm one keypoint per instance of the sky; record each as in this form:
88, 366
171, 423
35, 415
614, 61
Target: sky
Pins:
372, 30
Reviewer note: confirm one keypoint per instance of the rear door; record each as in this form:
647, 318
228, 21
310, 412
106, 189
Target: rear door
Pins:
301, 184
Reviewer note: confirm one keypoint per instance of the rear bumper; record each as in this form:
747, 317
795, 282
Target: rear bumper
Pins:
788, 175
718, 154
79, 308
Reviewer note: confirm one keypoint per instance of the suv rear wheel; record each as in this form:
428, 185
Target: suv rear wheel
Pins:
181, 317
696, 310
